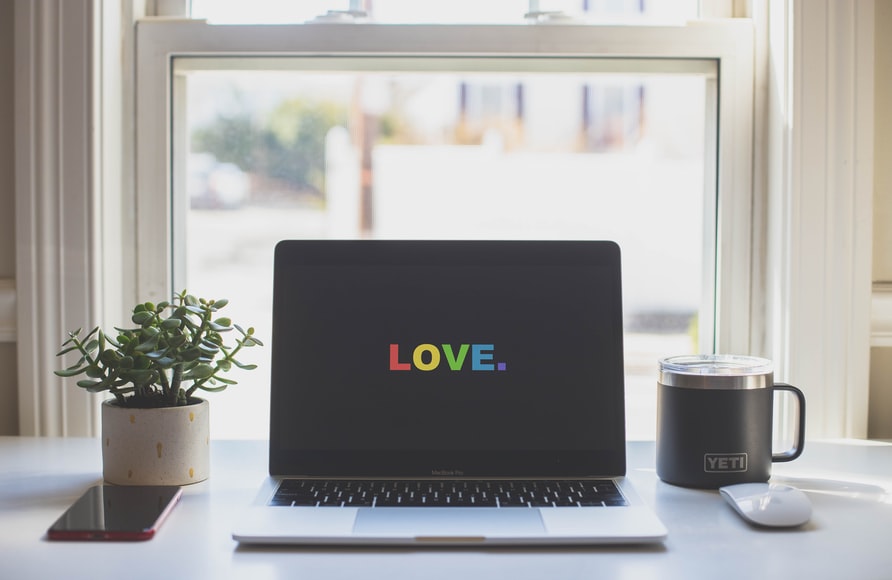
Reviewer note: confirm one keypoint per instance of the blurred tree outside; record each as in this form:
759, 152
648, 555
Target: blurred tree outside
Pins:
287, 145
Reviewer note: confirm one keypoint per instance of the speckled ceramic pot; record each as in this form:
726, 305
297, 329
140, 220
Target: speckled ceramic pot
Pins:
167, 446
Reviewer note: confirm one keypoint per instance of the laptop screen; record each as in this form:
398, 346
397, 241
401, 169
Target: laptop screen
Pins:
398, 358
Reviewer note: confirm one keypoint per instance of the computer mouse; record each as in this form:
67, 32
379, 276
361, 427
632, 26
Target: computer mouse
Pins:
768, 504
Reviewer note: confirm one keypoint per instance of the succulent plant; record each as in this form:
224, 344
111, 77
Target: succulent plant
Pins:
175, 349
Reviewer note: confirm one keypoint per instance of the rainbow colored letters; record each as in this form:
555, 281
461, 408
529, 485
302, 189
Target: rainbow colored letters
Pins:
427, 357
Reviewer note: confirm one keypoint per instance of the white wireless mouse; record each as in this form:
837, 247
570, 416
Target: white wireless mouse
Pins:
768, 504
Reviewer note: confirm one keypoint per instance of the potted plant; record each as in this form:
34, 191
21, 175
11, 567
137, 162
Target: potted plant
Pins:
155, 430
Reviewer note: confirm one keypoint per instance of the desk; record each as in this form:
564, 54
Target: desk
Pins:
850, 535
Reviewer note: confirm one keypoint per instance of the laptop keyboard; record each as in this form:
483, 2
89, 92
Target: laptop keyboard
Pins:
454, 493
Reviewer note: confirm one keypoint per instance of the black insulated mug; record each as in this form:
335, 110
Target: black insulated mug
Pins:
715, 420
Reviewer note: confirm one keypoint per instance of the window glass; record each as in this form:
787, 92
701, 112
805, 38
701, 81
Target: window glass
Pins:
271, 155
445, 12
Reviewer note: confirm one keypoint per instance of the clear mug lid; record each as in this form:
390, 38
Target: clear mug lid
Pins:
716, 364
692, 370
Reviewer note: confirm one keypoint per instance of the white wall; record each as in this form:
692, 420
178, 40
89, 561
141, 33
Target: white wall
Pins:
882, 247
9, 423
880, 420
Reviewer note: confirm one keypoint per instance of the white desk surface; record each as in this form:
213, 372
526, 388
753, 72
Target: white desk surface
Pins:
850, 535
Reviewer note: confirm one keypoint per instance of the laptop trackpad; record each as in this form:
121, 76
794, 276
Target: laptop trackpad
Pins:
434, 523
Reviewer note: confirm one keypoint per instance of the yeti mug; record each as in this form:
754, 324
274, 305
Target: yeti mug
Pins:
714, 420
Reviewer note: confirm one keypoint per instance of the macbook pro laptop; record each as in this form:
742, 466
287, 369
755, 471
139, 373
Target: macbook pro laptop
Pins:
447, 392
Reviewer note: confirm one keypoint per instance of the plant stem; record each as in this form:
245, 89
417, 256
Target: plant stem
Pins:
165, 385
202, 329
175, 384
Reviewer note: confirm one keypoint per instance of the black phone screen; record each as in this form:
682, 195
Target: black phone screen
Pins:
111, 512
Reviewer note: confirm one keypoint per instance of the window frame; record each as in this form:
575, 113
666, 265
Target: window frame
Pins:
643, 48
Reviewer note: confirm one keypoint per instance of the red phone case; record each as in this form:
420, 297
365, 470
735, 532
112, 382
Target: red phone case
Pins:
63, 531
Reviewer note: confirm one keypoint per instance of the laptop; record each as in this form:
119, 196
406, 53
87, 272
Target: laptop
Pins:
447, 392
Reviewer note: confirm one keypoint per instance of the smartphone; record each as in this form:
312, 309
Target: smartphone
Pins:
116, 512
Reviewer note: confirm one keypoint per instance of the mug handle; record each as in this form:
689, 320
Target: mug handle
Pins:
799, 444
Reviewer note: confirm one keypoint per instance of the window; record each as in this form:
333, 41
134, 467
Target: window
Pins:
591, 137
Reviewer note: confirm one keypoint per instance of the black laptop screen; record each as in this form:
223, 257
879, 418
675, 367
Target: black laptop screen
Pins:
453, 358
